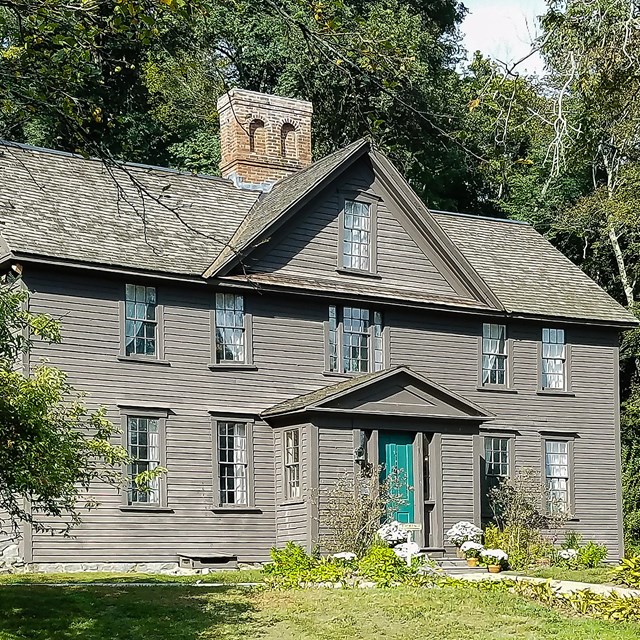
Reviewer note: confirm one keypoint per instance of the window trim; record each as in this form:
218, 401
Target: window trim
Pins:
570, 440
340, 337
247, 363
159, 357
217, 504
161, 416
567, 390
372, 201
508, 382
288, 498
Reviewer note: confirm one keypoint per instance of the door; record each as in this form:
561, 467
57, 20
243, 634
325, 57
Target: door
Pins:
396, 460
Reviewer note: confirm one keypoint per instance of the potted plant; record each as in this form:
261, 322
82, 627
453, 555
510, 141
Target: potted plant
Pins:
462, 532
494, 559
471, 552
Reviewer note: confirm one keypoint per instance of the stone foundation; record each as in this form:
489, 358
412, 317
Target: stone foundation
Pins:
10, 559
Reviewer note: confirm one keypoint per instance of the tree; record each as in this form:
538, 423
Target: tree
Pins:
52, 448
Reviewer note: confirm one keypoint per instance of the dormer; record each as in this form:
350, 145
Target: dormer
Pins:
263, 138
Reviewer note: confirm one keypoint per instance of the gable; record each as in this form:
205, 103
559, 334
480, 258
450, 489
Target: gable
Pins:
306, 247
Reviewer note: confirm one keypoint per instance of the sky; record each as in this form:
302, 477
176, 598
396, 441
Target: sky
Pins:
503, 30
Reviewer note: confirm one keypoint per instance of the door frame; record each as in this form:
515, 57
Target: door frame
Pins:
435, 480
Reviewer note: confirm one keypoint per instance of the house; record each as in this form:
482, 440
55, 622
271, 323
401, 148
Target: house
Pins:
264, 333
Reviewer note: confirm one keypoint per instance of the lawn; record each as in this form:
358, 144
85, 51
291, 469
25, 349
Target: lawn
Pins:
184, 612
601, 575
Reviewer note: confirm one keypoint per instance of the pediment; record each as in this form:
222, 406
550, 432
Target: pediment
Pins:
393, 392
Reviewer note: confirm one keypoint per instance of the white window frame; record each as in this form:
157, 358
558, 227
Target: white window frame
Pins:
371, 202
488, 335
157, 322
247, 335
127, 413
292, 466
547, 335
377, 341
569, 476
218, 502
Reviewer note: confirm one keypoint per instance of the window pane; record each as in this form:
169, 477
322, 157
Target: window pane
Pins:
357, 235
143, 445
140, 320
553, 359
557, 474
494, 354
232, 463
292, 463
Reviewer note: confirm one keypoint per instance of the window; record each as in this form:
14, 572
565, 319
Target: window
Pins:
494, 354
556, 462
233, 463
356, 236
355, 340
288, 147
496, 466
143, 445
553, 359
141, 321
230, 329
292, 464
257, 137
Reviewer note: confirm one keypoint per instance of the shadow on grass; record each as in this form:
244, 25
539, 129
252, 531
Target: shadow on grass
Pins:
101, 613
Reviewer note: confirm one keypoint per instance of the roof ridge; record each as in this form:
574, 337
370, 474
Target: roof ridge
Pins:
133, 165
479, 216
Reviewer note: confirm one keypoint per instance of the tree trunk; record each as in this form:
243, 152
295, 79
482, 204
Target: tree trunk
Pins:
622, 269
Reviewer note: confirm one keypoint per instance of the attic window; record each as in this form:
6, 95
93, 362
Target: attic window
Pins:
357, 229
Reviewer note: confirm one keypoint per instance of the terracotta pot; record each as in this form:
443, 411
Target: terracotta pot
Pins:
494, 568
472, 562
459, 553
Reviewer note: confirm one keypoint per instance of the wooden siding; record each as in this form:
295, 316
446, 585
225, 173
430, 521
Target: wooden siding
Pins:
308, 245
288, 352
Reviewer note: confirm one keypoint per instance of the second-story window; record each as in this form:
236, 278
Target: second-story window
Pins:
230, 329
355, 340
356, 236
141, 322
494, 354
553, 359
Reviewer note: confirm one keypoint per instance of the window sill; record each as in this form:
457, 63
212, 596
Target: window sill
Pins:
142, 509
236, 510
555, 392
292, 503
356, 272
496, 389
337, 374
164, 363
232, 367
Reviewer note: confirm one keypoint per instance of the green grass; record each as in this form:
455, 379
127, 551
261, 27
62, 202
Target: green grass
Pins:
601, 575
225, 577
229, 613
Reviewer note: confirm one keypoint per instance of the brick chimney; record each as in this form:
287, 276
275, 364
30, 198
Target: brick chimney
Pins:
263, 138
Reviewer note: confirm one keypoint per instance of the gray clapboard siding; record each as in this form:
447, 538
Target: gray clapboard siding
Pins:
288, 350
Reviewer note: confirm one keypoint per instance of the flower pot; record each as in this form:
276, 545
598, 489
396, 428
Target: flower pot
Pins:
472, 562
459, 553
494, 568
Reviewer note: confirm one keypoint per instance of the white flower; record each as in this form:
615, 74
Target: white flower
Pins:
462, 532
470, 545
407, 549
344, 555
495, 556
568, 554
393, 532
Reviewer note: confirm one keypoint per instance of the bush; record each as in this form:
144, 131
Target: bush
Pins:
524, 546
628, 572
383, 566
591, 555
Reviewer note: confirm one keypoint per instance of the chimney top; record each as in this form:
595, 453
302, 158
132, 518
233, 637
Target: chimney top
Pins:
263, 138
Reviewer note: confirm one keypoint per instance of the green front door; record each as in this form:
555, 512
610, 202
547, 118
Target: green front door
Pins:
396, 459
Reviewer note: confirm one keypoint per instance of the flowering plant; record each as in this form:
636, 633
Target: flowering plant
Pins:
494, 557
393, 533
568, 554
344, 555
407, 550
471, 549
464, 532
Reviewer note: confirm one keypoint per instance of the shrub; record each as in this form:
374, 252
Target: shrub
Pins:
628, 572
591, 555
383, 566
524, 546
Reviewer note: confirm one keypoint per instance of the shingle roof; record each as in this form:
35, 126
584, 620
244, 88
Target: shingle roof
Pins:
274, 204
67, 207
526, 272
